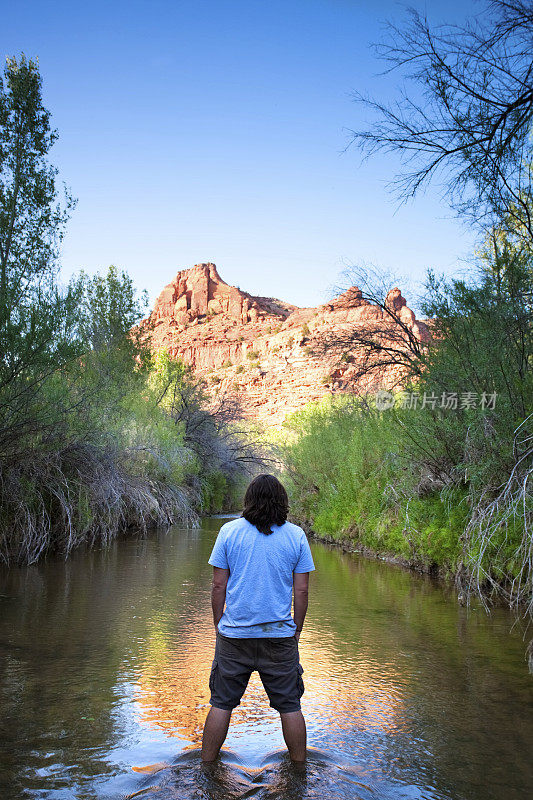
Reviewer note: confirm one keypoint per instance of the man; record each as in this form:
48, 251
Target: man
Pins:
258, 559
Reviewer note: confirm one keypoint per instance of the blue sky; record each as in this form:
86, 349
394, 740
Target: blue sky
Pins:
215, 130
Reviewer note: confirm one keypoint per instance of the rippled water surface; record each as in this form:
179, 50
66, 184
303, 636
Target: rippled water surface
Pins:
104, 664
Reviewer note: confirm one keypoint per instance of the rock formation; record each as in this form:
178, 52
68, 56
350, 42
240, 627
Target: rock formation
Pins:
199, 292
260, 349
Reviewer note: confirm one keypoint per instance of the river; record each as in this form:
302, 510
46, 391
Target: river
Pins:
104, 665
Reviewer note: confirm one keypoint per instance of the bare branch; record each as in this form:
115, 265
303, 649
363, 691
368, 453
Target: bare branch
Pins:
470, 124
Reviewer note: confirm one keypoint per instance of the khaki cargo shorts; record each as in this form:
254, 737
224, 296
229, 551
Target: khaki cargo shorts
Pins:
276, 660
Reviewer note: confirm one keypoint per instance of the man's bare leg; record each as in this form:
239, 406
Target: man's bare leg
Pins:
294, 733
215, 732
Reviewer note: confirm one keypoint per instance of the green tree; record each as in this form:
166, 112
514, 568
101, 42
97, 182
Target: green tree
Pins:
37, 320
116, 344
110, 310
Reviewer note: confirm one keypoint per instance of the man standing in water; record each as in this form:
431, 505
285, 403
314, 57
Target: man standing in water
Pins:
258, 559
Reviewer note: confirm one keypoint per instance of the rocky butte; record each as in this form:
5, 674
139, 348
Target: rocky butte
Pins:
259, 350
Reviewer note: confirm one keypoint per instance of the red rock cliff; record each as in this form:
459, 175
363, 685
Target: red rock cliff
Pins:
260, 349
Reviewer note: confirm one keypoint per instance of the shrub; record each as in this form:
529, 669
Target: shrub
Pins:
349, 478
97, 434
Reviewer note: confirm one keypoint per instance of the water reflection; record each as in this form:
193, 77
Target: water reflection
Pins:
172, 690
104, 663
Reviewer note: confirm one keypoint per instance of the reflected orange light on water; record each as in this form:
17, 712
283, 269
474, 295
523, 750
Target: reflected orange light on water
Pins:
173, 686
352, 691
173, 693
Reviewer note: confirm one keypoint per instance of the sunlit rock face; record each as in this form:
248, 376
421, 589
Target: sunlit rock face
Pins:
261, 350
200, 291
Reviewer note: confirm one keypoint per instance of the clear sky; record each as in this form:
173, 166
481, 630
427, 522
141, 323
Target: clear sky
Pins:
215, 130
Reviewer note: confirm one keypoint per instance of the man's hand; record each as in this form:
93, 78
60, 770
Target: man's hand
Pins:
297, 636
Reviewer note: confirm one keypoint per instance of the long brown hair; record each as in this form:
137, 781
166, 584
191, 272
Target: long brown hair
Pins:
265, 503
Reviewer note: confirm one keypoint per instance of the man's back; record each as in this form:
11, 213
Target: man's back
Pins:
261, 567
258, 560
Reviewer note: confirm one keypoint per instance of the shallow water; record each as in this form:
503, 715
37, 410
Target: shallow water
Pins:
104, 664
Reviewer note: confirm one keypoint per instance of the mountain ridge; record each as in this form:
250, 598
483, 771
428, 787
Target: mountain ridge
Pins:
259, 350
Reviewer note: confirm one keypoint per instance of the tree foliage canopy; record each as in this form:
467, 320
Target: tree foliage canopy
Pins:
88, 448
36, 319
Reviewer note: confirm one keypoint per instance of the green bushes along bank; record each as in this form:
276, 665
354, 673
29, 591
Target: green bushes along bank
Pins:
441, 475
97, 435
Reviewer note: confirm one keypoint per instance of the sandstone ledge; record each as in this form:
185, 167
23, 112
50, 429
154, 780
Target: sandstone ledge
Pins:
259, 350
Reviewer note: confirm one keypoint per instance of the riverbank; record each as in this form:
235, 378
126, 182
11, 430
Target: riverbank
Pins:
351, 546
441, 576
355, 481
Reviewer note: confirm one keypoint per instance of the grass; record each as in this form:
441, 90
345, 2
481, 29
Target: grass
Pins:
83, 493
349, 480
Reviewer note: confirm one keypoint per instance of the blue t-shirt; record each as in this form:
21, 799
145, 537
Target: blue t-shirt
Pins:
261, 567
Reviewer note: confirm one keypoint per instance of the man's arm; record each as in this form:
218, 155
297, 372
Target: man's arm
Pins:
301, 593
218, 593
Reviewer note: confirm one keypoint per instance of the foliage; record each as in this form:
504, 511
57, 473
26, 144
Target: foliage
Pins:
100, 455
226, 450
110, 310
469, 438
349, 478
485, 335
96, 435
37, 320
468, 121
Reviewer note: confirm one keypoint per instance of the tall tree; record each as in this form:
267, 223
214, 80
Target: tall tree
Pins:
36, 319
